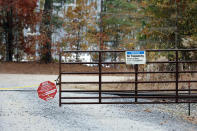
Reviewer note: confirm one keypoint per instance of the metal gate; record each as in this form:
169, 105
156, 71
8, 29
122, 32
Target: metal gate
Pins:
174, 94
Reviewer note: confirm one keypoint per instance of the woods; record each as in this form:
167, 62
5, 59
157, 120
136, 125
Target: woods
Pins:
36, 30
15, 17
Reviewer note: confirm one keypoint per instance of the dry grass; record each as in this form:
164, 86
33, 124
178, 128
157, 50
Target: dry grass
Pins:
53, 68
146, 86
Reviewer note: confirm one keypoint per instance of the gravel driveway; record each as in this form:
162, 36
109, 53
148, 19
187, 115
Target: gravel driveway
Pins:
22, 110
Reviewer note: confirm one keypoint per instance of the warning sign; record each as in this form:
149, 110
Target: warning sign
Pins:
47, 90
135, 57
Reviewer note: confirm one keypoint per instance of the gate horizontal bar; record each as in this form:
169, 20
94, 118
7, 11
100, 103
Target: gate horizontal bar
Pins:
148, 62
151, 62
155, 102
68, 73
128, 82
126, 97
148, 50
140, 72
79, 82
153, 95
79, 63
191, 81
156, 62
128, 91
130, 102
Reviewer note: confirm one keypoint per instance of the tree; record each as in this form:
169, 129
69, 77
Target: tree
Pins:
78, 21
171, 22
15, 16
46, 30
119, 25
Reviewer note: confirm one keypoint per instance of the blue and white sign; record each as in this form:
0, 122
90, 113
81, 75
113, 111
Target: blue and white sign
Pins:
135, 57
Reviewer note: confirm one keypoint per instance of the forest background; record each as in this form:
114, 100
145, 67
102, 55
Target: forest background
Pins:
37, 30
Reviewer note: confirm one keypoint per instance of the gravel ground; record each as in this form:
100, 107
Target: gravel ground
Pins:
22, 110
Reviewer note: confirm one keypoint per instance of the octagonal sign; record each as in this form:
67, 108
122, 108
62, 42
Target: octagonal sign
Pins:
47, 90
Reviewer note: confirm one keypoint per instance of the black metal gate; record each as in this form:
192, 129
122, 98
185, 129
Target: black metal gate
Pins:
174, 94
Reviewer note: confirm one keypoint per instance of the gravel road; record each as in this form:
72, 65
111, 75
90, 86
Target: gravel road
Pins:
22, 110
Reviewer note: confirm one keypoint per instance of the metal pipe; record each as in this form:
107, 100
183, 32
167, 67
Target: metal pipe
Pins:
147, 50
177, 75
60, 79
129, 91
127, 102
136, 82
100, 77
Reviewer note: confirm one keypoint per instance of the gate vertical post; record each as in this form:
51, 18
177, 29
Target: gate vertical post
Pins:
100, 77
60, 78
177, 75
136, 82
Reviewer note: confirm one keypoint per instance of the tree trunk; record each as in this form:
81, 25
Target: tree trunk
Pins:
46, 49
9, 40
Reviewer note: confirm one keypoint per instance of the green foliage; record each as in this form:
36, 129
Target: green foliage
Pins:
56, 21
171, 24
166, 14
117, 22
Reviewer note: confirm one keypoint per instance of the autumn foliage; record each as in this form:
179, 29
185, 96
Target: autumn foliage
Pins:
22, 7
17, 15
87, 25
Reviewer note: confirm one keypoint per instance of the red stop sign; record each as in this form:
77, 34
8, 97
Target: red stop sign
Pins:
47, 90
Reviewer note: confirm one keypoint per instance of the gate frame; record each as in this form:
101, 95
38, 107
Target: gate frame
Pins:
176, 97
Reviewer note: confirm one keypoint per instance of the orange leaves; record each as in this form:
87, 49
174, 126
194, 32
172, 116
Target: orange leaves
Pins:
17, 15
84, 46
80, 25
26, 4
7, 4
130, 46
24, 10
20, 6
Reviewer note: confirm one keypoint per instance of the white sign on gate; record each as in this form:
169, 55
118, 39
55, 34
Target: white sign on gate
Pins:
135, 57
